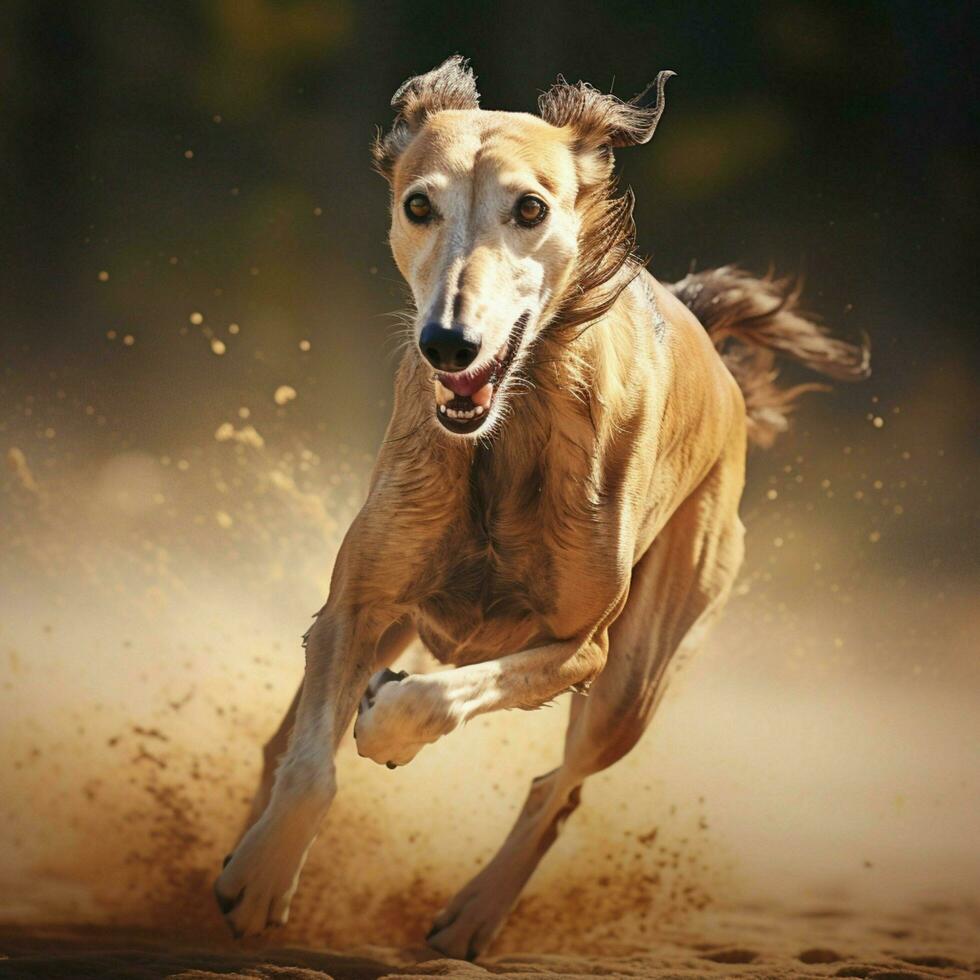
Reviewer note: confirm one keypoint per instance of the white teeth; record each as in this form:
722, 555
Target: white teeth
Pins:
443, 394
461, 414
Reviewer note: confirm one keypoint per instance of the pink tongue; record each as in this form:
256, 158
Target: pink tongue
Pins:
466, 384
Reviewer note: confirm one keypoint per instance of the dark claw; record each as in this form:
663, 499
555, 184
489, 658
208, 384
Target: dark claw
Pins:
227, 904
227, 861
392, 765
431, 933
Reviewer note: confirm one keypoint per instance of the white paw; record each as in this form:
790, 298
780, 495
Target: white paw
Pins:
259, 879
387, 730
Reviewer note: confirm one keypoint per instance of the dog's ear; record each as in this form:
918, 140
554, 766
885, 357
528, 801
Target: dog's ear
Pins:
450, 86
601, 122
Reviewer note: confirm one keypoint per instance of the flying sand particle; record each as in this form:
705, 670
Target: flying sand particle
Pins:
247, 435
17, 462
284, 394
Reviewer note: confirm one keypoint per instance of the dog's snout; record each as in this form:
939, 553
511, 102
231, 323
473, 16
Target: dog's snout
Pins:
448, 349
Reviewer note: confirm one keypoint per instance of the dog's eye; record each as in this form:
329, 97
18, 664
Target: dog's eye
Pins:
530, 210
418, 208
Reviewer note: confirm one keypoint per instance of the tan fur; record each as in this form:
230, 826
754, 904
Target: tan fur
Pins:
751, 321
575, 541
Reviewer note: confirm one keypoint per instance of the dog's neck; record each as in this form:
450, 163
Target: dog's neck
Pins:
558, 454
571, 395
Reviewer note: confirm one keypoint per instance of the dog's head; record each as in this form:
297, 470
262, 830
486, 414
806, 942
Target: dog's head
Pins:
504, 223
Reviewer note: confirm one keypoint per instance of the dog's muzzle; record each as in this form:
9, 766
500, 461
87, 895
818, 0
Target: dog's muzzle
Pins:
464, 399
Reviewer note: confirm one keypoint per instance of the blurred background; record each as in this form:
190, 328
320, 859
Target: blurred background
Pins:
196, 352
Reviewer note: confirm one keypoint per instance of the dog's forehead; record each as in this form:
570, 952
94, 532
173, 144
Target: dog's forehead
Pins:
460, 142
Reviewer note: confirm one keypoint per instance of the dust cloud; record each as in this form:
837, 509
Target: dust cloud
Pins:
817, 757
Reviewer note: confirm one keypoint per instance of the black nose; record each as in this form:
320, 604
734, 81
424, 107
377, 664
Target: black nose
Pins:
447, 350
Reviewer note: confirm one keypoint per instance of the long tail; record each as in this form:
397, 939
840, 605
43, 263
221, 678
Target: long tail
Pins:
753, 321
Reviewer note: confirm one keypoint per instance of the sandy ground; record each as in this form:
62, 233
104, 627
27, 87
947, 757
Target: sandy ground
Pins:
804, 804
930, 941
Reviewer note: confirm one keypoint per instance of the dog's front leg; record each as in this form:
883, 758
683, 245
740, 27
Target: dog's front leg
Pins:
399, 716
260, 877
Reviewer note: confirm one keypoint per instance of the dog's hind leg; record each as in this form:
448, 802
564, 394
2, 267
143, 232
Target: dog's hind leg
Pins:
676, 589
272, 751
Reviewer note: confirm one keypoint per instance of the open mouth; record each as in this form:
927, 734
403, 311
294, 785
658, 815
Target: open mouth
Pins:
464, 399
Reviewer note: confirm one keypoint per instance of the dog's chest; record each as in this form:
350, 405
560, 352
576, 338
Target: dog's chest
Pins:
484, 599
491, 586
